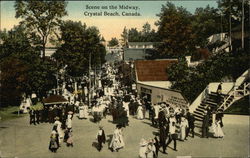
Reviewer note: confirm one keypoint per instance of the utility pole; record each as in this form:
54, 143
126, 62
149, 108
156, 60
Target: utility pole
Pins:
90, 87
242, 26
230, 28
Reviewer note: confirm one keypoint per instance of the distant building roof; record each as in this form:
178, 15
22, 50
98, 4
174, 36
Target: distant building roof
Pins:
153, 70
140, 43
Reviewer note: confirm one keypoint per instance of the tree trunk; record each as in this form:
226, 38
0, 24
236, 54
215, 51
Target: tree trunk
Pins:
43, 55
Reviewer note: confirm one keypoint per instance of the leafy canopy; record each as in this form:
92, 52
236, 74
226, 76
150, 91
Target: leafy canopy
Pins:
40, 17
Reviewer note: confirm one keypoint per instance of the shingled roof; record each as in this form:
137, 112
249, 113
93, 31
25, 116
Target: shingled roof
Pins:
153, 70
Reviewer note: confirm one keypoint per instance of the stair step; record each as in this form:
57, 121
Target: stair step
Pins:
198, 119
199, 109
214, 93
199, 112
198, 116
208, 102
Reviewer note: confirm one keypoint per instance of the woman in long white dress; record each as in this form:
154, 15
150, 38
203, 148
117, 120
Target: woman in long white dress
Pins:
117, 140
139, 112
81, 112
58, 125
69, 120
85, 111
218, 133
213, 127
183, 126
126, 107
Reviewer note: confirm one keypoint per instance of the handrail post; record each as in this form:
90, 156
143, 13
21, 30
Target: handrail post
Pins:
244, 89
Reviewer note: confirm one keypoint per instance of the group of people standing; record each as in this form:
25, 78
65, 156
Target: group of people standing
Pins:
213, 120
173, 123
59, 135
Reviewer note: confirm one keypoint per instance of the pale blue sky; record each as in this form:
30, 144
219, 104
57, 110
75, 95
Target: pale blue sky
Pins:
109, 26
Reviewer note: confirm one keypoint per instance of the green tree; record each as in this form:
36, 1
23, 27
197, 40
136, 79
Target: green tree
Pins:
12, 80
28, 73
206, 22
146, 28
113, 42
79, 44
192, 81
134, 35
41, 17
146, 35
234, 7
176, 31
124, 37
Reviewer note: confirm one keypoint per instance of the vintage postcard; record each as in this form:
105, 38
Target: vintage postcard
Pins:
124, 79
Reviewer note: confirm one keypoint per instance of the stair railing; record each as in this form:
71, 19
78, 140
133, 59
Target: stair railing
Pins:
234, 91
223, 105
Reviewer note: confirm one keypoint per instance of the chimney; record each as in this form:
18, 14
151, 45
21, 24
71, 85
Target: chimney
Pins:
188, 59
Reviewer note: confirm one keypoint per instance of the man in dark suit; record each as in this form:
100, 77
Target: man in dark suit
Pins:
162, 118
157, 146
191, 124
163, 136
188, 119
32, 116
101, 138
205, 125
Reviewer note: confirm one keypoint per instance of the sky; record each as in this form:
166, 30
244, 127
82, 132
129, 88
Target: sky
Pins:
109, 26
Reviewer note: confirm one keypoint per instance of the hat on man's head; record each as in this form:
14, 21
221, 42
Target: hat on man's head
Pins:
143, 142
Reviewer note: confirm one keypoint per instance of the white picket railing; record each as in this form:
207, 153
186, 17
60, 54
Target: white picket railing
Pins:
231, 88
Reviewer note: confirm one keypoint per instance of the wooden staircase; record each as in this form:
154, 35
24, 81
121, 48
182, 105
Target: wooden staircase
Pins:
240, 89
210, 101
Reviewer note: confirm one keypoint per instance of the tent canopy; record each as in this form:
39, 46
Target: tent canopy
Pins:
54, 99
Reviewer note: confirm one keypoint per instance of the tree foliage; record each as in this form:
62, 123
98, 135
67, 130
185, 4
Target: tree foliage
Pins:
40, 17
124, 37
192, 81
234, 7
79, 42
206, 22
22, 69
175, 30
113, 42
146, 35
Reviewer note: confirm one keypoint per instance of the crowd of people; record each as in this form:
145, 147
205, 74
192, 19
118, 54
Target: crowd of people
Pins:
175, 123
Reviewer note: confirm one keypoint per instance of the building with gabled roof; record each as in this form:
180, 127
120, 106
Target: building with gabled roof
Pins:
152, 82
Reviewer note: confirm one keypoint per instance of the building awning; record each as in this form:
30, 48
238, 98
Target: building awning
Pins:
54, 99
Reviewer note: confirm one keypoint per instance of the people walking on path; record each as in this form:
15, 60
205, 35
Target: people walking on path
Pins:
70, 138
101, 138
139, 113
117, 139
54, 145
172, 135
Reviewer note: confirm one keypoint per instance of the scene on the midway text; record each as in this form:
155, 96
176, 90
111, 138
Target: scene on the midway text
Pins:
133, 79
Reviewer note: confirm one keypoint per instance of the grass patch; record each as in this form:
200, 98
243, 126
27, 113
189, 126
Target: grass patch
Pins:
37, 106
10, 112
240, 107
